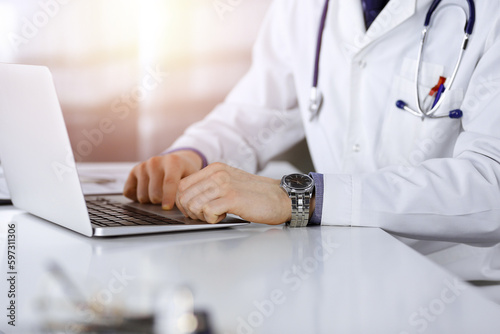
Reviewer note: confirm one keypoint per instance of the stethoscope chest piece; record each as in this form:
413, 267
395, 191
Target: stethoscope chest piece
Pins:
315, 103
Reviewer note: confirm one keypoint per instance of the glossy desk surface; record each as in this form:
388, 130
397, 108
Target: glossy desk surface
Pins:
252, 279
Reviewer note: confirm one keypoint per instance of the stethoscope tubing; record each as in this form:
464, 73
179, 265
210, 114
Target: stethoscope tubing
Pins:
316, 98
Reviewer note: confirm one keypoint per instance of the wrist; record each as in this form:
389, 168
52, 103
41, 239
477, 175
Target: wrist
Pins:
300, 190
313, 205
192, 157
185, 152
286, 203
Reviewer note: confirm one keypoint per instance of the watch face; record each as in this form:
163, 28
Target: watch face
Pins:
298, 181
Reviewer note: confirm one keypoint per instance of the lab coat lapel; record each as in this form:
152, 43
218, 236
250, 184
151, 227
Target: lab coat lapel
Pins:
349, 23
352, 26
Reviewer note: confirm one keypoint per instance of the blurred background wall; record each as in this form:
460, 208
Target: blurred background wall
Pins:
131, 75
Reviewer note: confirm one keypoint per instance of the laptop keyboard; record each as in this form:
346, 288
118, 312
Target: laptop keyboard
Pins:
105, 213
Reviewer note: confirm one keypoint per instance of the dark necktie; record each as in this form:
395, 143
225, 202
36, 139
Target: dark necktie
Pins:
371, 9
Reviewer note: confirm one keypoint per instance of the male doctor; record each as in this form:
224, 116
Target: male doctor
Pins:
377, 165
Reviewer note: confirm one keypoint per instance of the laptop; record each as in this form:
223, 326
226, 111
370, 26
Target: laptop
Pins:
40, 170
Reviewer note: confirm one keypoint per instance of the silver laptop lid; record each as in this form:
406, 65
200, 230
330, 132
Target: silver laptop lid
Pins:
35, 150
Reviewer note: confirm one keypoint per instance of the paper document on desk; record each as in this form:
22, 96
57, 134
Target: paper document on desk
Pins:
96, 178
104, 178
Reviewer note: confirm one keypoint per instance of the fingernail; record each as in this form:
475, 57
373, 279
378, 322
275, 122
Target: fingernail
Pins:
166, 207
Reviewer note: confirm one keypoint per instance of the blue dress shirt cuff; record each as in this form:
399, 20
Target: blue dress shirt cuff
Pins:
318, 195
204, 161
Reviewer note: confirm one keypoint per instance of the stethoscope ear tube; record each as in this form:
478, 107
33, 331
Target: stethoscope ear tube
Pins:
454, 114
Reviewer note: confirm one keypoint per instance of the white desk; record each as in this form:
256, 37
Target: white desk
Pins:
255, 279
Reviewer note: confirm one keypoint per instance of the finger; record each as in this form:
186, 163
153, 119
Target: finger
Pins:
170, 185
180, 207
195, 208
215, 211
220, 170
130, 188
142, 184
183, 206
192, 200
155, 173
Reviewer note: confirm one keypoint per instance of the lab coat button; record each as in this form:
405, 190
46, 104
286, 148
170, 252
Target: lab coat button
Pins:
362, 64
356, 148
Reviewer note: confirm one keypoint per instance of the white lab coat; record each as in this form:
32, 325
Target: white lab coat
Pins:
382, 166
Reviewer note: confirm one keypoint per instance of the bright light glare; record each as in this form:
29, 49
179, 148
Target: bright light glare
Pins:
154, 17
7, 25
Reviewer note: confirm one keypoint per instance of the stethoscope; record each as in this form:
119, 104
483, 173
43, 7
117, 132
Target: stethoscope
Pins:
316, 98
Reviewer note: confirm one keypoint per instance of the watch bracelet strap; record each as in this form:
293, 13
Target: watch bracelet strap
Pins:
300, 209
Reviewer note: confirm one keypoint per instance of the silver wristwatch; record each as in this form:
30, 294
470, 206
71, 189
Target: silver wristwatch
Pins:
299, 188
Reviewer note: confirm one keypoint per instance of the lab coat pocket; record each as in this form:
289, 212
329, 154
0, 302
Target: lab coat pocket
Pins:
407, 139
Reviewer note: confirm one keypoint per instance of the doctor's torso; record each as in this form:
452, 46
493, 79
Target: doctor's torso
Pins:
363, 74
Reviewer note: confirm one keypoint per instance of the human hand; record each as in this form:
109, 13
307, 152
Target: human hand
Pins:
219, 189
156, 180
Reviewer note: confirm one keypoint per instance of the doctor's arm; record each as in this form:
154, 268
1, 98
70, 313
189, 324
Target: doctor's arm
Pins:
455, 198
258, 120
210, 193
